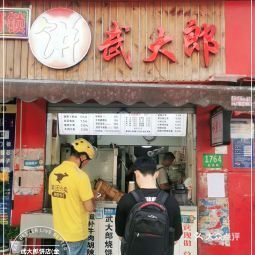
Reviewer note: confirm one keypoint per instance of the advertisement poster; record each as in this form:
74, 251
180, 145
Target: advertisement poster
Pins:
243, 152
28, 183
213, 222
7, 139
29, 159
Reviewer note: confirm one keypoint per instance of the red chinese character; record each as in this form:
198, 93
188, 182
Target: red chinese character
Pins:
191, 36
15, 23
210, 45
186, 227
113, 45
187, 243
156, 47
187, 235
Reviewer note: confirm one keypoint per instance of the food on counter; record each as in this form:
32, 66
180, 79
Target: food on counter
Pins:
107, 191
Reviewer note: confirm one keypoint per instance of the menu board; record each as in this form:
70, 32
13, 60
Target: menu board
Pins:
134, 124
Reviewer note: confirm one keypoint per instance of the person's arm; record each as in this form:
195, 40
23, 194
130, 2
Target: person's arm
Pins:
121, 218
89, 205
177, 222
162, 180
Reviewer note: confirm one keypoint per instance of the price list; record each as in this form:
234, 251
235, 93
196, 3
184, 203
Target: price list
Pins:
170, 124
107, 124
135, 124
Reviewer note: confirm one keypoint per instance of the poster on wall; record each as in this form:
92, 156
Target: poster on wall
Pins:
28, 183
243, 153
7, 141
243, 143
29, 159
213, 221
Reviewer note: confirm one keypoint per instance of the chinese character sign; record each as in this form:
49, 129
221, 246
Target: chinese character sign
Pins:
102, 238
113, 45
60, 38
192, 34
15, 22
156, 47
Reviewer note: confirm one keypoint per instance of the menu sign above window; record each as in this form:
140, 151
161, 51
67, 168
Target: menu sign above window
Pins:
133, 124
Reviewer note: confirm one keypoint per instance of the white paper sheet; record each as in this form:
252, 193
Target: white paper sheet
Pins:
216, 184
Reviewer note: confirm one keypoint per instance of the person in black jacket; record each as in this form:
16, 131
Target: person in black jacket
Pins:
146, 175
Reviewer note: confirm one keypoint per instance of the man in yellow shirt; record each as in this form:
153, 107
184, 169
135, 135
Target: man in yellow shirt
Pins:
72, 198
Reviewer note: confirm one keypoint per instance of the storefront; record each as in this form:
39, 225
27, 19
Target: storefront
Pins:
153, 90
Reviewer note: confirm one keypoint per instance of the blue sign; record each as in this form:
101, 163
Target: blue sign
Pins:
109, 211
243, 153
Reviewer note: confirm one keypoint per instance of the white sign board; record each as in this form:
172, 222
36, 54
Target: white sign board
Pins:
187, 244
132, 124
242, 128
240, 101
102, 238
59, 38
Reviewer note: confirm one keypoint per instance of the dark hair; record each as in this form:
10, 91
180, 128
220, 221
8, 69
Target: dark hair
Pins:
169, 156
77, 154
145, 165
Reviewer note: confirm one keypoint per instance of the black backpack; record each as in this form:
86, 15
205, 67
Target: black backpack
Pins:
147, 229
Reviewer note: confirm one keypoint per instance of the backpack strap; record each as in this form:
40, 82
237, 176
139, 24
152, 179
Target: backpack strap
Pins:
138, 196
162, 197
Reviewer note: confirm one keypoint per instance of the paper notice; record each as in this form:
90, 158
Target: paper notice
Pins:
216, 184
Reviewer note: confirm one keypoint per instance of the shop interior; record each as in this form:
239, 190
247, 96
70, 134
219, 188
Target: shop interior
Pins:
117, 153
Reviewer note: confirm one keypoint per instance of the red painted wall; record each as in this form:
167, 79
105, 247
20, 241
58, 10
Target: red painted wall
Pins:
238, 192
238, 37
33, 135
238, 61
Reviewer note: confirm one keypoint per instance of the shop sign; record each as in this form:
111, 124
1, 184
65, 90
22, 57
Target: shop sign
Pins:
102, 238
187, 245
60, 38
192, 34
8, 108
240, 101
132, 124
15, 22
212, 161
